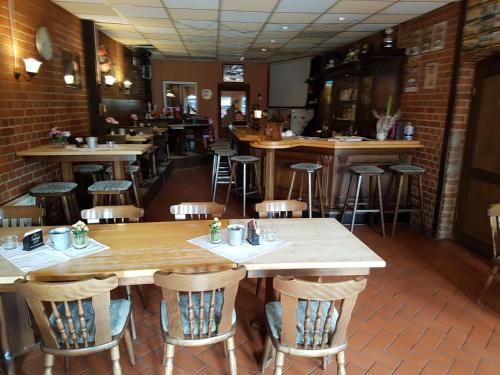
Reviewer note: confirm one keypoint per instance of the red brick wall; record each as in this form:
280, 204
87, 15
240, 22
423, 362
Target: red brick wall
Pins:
29, 109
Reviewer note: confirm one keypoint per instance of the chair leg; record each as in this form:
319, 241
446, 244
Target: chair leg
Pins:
280, 361
132, 317
135, 187
115, 358
233, 172
130, 346
421, 196
356, 200
94, 200
66, 365
388, 190
169, 359
381, 206
259, 286
257, 180
233, 370
488, 282
142, 296
268, 347
48, 362
346, 199
67, 212
341, 363
244, 190
216, 179
309, 193
291, 186
396, 208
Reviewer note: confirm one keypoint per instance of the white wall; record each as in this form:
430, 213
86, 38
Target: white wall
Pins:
287, 87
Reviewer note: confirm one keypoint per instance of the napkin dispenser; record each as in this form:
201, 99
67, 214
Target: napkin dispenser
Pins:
33, 239
253, 233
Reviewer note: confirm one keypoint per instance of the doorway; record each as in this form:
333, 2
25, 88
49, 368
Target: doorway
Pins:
480, 180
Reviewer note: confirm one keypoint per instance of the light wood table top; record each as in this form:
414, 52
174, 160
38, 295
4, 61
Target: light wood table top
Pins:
49, 151
139, 138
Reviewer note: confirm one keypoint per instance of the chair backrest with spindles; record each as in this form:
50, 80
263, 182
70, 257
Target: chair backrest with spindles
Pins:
21, 216
196, 287
113, 214
65, 329
197, 210
494, 214
280, 209
317, 297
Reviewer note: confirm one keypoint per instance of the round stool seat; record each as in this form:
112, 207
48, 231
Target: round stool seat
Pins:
54, 188
109, 186
87, 168
244, 159
406, 169
128, 169
306, 167
225, 152
366, 170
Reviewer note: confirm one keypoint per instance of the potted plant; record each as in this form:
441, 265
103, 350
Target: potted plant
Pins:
59, 137
79, 230
215, 230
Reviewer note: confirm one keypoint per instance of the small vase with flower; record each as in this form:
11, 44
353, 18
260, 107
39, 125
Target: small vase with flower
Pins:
79, 230
215, 228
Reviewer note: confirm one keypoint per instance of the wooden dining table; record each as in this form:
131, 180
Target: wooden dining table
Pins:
315, 247
118, 155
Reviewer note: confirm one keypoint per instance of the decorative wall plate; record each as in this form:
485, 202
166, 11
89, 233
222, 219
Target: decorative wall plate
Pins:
206, 94
44, 43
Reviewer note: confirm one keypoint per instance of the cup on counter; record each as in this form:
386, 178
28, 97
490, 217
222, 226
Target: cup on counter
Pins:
110, 144
91, 142
9, 242
236, 234
60, 238
269, 235
122, 131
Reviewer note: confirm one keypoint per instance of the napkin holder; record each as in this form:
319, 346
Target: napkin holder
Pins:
33, 239
252, 236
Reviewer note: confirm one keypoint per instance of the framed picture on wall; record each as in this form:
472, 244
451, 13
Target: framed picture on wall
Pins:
431, 75
233, 73
71, 66
438, 36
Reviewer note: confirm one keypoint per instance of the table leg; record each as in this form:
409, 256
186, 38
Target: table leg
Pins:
118, 170
269, 175
4, 341
67, 171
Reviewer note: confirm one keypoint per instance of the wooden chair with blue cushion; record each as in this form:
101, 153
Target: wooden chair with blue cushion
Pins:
78, 318
197, 210
310, 320
187, 322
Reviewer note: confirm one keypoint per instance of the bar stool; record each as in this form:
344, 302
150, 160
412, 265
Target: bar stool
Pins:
92, 170
113, 188
132, 171
364, 171
310, 169
401, 171
243, 160
64, 190
221, 170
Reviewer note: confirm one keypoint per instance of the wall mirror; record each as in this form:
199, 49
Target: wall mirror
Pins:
71, 65
233, 104
183, 95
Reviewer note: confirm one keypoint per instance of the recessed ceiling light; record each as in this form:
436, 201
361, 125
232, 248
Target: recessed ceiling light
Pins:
284, 27
264, 49
242, 58
342, 18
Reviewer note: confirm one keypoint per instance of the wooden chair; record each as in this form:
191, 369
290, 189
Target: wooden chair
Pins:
310, 320
494, 215
187, 322
75, 325
8, 359
196, 210
115, 215
21, 216
280, 209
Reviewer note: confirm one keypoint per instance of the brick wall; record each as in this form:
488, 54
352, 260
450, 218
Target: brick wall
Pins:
29, 109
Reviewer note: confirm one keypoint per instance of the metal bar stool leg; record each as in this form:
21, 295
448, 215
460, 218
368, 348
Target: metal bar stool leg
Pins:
381, 206
67, 212
396, 208
346, 200
319, 183
388, 190
309, 193
356, 200
421, 194
244, 189
257, 180
291, 185
233, 172
214, 190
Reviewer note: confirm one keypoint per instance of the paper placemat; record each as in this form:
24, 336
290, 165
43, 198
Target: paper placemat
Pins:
237, 254
45, 256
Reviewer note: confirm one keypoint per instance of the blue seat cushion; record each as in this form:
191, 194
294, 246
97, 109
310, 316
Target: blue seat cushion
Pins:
183, 307
114, 185
366, 169
273, 315
54, 188
128, 169
87, 168
306, 167
118, 312
244, 159
406, 169
224, 152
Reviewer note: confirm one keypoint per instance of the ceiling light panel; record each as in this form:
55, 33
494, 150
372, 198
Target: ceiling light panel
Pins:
127, 10
194, 4
292, 17
341, 18
249, 5
303, 6
278, 27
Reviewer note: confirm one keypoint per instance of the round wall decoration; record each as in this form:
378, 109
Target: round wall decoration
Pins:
44, 43
206, 94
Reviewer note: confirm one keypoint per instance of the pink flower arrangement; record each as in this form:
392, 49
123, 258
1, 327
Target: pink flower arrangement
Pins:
111, 120
134, 117
58, 135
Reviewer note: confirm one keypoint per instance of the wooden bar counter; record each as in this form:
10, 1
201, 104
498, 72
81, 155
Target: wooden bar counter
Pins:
334, 155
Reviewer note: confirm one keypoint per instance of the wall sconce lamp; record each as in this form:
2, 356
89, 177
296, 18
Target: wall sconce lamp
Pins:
32, 66
170, 95
69, 79
127, 84
257, 114
109, 80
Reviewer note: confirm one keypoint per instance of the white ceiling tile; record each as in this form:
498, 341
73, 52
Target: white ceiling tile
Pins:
316, 6
167, 44
353, 34
278, 27
334, 18
233, 16
278, 34
195, 4
369, 27
144, 21
336, 39
132, 41
300, 39
389, 18
122, 34
80, 1
133, 11
88, 8
325, 28
193, 14
144, 3
292, 17
362, 6
250, 5
196, 24
156, 30
244, 34
103, 19
187, 31
153, 36
190, 38
412, 7
115, 27
241, 26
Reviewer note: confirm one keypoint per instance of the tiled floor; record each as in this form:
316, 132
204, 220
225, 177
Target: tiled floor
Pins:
417, 316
